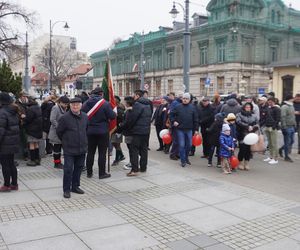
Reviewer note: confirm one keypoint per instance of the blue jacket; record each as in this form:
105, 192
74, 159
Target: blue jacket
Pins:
99, 123
226, 141
186, 116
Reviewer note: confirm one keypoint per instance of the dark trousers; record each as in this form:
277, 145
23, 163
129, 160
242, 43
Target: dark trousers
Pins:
129, 146
49, 147
73, 165
205, 143
211, 154
288, 138
244, 152
175, 143
9, 170
57, 153
101, 142
139, 148
158, 129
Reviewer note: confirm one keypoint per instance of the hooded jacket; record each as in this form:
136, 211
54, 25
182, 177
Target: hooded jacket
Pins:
33, 122
288, 118
226, 142
139, 122
231, 106
9, 130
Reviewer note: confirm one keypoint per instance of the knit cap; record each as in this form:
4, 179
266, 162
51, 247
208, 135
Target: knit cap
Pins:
225, 127
187, 96
231, 117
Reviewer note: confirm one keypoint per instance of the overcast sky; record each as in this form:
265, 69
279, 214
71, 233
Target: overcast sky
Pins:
96, 23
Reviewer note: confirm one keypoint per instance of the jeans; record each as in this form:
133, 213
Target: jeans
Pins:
9, 170
101, 142
185, 143
73, 165
205, 143
139, 147
288, 138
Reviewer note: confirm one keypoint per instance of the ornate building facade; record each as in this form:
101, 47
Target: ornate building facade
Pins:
233, 46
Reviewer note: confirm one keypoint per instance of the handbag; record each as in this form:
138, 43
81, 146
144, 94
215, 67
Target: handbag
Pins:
260, 146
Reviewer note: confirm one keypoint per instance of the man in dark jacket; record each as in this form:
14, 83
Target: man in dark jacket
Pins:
99, 114
9, 142
206, 118
71, 130
231, 106
139, 128
185, 118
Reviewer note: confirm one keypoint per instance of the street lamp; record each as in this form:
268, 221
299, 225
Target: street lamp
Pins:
186, 42
66, 27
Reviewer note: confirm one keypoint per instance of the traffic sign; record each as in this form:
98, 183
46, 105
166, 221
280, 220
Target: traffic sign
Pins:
261, 91
207, 82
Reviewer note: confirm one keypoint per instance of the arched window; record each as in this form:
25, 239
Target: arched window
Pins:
278, 17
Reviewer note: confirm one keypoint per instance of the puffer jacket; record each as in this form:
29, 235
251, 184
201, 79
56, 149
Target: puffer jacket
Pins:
226, 141
56, 113
9, 130
33, 122
140, 118
214, 132
231, 106
243, 121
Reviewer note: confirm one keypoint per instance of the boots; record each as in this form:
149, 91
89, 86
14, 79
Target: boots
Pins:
246, 165
242, 165
116, 161
32, 162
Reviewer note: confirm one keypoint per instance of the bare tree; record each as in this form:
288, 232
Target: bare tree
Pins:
63, 60
10, 14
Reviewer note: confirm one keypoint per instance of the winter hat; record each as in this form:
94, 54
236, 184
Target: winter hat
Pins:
231, 117
75, 100
186, 96
225, 127
64, 99
220, 116
5, 98
166, 98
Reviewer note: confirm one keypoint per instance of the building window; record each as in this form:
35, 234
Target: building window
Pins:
274, 54
217, 15
148, 63
203, 55
221, 52
157, 60
273, 16
202, 86
127, 66
278, 17
120, 88
220, 84
170, 86
158, 88
170, 60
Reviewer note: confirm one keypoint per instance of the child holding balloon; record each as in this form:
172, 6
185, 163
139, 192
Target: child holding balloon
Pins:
227, 146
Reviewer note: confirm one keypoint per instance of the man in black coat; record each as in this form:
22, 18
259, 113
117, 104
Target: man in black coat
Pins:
9, 142
206, 118
139, 128
71, 130
98, 131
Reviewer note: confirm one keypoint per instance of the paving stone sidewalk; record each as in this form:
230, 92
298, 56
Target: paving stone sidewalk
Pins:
168, 207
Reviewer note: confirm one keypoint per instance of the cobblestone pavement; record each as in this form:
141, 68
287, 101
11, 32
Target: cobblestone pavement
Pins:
168, 207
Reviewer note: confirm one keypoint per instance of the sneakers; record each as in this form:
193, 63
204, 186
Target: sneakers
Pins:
273, 161
209, 165
127, 166
268, 159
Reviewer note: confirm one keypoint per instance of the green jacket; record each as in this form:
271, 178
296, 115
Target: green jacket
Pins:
288, 118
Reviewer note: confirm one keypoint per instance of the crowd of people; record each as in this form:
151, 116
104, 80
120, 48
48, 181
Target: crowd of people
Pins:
79, 126
224, 125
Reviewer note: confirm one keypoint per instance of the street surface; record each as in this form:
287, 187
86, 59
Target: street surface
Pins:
168, 207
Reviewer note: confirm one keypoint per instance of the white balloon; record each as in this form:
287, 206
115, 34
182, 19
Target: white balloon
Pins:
163, 132
251, 139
